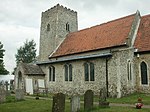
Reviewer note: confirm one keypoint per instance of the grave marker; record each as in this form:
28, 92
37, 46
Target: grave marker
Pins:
2, 95
75, 103
88, 100
103, 97
19, 94
58, 103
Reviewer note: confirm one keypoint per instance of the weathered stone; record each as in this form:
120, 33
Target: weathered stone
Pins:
6, 86
75, 103
58, 103
52, 34
19, 94
102, 98
88, 100
2, 95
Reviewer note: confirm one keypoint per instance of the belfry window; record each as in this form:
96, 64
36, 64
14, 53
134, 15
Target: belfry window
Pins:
48, 27
89, 71
67, 27
51, 73
144, 77
68, 72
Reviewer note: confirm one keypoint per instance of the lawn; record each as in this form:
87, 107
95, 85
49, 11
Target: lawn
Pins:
32, 105
132, 99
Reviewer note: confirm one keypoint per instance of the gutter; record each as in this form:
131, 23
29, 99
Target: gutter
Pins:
73, 58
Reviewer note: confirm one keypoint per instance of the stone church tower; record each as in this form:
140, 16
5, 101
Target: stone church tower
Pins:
56, 23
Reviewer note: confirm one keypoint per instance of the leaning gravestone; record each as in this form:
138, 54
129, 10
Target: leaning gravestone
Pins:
88, 100
19, 94
2, 95
58, 103
102, 98
75, 103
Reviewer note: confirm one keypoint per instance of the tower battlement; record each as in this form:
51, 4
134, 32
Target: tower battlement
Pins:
60, 7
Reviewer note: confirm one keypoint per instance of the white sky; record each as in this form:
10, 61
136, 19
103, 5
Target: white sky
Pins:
20, 19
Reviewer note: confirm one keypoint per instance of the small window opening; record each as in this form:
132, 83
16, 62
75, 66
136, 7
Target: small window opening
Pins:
67, 27
48, 27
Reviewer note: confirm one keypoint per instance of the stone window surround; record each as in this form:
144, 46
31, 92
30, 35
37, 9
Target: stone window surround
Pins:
129, 70
147, 85
91, 77
68, 72
51, 73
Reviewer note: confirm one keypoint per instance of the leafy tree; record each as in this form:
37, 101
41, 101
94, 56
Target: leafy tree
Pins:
3, 71
26, 53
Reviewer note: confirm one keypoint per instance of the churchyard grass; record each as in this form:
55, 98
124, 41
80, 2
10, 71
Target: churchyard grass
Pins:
132, 99
32, 105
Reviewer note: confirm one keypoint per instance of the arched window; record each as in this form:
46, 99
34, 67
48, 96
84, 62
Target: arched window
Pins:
86, 71
144, 77
129, 70
67, 27
89, 71
51, 73
48, 27
68, 72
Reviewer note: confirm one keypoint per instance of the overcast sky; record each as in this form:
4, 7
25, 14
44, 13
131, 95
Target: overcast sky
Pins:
20, 19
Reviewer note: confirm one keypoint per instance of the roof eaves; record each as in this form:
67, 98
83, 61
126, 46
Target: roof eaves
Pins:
110, 47
76, 58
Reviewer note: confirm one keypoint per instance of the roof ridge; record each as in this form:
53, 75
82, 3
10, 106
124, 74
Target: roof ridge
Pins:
104, 23
145, 15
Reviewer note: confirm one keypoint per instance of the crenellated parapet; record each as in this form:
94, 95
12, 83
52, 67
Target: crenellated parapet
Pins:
62, 8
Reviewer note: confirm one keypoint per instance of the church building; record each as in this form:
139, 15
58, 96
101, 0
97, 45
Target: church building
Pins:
113, 55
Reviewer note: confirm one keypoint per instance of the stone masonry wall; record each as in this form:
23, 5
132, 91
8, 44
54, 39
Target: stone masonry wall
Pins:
119, 84
56, 17
78, 85
137, 61
117, 76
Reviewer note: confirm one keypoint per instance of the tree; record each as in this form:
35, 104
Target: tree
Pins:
3, 71
26, 53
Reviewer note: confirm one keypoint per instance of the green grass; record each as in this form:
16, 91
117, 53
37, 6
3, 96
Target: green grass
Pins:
119, 109
132, 99
32, 105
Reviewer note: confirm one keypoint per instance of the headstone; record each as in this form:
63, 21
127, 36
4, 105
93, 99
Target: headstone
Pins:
75, 103
58, 103
7, 92
88, 100
19, 94
102, 98
11, 84
2, 95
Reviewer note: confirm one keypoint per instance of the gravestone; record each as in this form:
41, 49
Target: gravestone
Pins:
6, 85
2, 95
75, 103
88, 100
102, 98
58, 103
19, 94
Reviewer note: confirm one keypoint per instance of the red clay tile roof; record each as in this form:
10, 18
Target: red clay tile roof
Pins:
111, 34
142, 42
